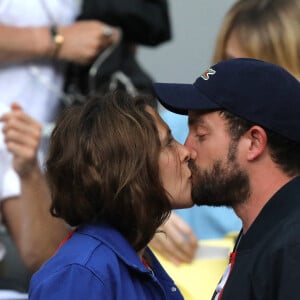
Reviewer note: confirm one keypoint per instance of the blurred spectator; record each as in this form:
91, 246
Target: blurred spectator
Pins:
36, 38
266, 30
143, 22
34, 231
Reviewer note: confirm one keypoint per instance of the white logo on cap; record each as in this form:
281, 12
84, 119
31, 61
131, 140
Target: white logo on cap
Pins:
205, 75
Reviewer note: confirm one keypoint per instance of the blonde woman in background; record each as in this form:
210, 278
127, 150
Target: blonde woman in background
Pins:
262, 29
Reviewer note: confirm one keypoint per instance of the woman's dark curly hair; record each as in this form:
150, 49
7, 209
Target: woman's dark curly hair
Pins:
103, 167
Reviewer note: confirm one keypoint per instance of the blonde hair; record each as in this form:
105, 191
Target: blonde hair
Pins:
266, 30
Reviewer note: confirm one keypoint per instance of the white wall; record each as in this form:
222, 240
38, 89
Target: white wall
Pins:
195, 24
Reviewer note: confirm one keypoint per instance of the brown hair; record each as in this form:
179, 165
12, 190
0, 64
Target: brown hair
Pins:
266, 30
103, 167
284, 152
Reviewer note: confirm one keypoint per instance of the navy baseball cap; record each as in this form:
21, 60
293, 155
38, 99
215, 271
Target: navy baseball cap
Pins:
260, 92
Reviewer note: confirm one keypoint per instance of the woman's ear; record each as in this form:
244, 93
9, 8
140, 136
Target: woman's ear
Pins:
257, 142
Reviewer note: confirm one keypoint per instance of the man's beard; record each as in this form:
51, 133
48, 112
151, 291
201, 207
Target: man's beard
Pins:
224, 184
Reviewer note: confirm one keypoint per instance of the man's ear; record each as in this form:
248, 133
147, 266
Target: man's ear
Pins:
257, 141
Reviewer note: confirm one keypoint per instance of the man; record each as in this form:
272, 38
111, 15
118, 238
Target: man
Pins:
244, 122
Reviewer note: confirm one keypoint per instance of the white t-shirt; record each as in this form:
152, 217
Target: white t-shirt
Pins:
32, 83
9, 182
6, 171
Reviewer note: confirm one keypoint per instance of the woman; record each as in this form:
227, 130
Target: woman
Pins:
114, 172
262, 29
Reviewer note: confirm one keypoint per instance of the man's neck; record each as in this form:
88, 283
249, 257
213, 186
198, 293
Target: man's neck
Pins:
262, 190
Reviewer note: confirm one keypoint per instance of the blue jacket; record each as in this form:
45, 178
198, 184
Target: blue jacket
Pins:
98, 263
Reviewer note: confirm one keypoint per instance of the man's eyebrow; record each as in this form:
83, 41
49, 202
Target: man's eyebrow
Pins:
195, 120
